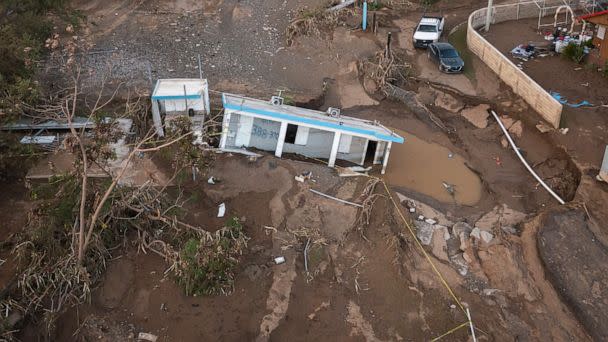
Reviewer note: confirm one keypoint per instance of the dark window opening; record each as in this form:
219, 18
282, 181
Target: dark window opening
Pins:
371, 152
290, 136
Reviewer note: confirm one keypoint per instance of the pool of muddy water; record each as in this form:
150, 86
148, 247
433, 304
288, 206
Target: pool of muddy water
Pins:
425, 167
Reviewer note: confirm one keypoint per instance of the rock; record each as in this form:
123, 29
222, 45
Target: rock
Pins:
461, 227
467, 257
430, 221
424, 232
464, 241
486, 236
516, 129
448, 102
504, 142
147, 337
439, 244
424, 210
498, 217
478, 115
476, 233
444, 229
460, 263
506, 121
543, 127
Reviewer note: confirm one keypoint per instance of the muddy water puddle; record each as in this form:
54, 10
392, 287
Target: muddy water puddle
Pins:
424, 167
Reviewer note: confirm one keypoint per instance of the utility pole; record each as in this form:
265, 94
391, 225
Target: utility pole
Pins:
489, 14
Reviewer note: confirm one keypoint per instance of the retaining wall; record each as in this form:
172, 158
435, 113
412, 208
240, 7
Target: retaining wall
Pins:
535, 95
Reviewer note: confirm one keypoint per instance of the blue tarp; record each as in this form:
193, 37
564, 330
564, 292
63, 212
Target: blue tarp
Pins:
563, 100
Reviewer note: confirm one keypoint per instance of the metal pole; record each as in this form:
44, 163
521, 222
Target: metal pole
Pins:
364, 23
388, 45
489, 14
186, 99
374, 27
200, 68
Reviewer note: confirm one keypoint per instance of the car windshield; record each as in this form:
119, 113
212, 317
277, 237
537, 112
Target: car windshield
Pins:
448, 53
427, 28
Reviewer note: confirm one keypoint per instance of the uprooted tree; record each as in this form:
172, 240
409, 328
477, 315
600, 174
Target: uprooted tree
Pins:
78, 220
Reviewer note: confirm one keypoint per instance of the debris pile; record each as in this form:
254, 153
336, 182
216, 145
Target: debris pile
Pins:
385, 67
317, 22
458, 243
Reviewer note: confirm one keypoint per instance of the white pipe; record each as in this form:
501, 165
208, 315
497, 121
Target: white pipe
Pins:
335, 199
471, 326
504, 130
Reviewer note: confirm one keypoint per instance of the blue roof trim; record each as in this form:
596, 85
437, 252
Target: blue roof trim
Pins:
284, 116
177, 97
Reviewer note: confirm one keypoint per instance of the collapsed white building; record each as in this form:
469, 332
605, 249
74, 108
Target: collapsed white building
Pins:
274, 126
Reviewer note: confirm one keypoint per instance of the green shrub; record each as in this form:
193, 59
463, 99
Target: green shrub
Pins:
206, 265
574, 52
375, 5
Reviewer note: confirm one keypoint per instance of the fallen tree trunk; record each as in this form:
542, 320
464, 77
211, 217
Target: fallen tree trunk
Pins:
411, 101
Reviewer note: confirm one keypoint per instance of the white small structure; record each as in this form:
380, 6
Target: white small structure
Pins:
273, 126
179, 96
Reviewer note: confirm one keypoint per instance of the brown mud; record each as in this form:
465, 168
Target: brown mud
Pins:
430, 168
370, 284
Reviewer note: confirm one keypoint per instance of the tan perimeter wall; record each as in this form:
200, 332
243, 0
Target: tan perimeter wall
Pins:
538, 98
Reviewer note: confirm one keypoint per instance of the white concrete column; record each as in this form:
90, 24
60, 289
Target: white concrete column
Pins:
380, 145
279, 151
158, 122
334, 150
489, 14
386, 154
364, 152
225, 129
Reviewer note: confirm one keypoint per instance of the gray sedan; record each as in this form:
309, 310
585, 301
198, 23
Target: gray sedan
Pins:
446, 56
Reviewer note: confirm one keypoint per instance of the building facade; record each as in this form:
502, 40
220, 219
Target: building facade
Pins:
600, 36
273, 126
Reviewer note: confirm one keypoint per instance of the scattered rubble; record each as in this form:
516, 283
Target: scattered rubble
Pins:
424, 232
478, 115
498, 217
486, 236
147, 337
424, 211
516, 129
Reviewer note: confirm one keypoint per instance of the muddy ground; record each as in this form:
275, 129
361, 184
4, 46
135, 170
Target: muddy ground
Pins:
495, 244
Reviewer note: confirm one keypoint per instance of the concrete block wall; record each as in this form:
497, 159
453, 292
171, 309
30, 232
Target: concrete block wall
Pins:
535, 95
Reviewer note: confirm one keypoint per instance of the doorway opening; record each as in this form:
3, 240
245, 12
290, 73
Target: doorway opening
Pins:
371, 152
290, 135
